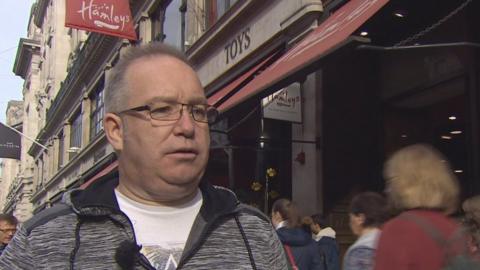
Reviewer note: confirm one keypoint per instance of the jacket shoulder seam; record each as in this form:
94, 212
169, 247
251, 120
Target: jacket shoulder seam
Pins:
47, 215
253, 211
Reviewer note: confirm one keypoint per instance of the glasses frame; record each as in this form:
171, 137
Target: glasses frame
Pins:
189, 109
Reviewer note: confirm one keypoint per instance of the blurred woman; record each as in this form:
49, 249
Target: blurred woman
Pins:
367, 213
420, 184
297, 242
471, 221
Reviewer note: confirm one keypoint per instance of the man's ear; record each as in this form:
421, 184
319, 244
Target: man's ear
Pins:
113, 127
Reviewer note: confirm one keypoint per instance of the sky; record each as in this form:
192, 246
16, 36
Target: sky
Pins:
14, 15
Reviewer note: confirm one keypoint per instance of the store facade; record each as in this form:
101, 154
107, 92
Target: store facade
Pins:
362, 96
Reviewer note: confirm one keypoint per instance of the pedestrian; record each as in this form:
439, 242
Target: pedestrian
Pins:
368, 211
420, 184
324, 235
157, 212
302, 251
471, 207
8, 227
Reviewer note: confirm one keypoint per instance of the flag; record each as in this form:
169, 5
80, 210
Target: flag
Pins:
110, 17
10, 143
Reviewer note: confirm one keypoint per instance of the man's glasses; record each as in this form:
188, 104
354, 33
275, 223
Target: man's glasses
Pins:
173, 111
8, 230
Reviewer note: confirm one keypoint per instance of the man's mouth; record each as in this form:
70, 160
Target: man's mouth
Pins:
184, 153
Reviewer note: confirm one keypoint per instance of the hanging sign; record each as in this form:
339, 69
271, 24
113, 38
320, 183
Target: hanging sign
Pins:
284, 104
110, 17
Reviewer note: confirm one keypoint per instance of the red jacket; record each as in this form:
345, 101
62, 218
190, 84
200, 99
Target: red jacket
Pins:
404, 245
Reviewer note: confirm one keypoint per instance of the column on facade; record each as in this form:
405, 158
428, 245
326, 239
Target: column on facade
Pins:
85, 114
307, 177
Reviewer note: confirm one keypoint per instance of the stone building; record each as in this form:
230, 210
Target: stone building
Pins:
317, 93
10, 168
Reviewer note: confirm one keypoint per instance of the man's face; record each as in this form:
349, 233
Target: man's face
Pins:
162, 161
7, 231
315, 228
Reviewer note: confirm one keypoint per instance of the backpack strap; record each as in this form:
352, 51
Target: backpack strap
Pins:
456, 240
290, 256
427, 227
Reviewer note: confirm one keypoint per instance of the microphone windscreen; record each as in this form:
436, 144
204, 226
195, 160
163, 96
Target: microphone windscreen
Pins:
126, 253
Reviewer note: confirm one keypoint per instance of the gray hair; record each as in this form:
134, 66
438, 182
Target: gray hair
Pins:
115, 90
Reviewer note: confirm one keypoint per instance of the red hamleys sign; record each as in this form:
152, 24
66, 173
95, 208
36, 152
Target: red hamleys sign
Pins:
110, 17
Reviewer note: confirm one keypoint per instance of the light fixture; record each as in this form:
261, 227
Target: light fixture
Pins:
400, 13
453, 117
456, 132
364, 33
458, 171
73, 149
404, 136
445, 137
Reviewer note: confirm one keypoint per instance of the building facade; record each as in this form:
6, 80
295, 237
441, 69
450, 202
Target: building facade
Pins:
314, 94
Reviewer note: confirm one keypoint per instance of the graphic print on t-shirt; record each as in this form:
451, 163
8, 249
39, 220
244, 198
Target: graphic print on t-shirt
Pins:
163, 257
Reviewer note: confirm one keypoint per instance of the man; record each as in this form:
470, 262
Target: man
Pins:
325, 238
157, 212
8, 227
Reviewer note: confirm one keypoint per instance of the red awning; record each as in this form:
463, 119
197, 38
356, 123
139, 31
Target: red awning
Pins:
103, 172
333, 31
216, 98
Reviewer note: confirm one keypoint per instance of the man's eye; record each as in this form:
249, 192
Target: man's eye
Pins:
199, 111
163, 110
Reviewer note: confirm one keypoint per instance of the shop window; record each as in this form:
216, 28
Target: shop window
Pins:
215, 9
437, 116
263, 146
97, 109
75, 135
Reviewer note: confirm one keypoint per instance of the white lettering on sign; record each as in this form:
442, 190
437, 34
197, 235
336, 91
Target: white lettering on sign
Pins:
103, 15
9, 145
284, 104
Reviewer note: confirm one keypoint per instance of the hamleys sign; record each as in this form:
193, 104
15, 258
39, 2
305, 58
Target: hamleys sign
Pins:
110, 17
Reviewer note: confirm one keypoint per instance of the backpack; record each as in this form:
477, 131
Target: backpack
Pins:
456, 253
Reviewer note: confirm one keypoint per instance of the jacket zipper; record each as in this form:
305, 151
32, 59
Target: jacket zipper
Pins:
201, 239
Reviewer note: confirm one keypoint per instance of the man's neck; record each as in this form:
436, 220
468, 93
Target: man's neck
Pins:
156, 201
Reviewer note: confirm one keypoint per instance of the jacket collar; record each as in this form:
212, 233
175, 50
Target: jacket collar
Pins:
217, 201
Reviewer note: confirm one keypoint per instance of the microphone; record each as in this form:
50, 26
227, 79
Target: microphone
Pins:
126, 254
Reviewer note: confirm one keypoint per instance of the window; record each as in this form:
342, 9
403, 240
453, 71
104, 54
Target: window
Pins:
97, 109
172, 27
215, 9
156, 18
75, 135
61, 149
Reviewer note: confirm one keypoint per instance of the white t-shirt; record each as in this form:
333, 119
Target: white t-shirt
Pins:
161, 230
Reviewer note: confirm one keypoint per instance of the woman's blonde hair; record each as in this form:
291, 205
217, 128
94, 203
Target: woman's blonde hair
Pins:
419, 176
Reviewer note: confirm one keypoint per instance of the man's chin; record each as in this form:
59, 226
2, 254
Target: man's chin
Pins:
174, 194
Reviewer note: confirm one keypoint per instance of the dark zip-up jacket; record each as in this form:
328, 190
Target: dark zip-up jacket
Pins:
88, 231
304, 249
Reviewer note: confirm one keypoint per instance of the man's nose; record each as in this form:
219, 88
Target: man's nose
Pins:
186, 124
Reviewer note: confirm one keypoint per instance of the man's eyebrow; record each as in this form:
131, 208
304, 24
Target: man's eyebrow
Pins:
194, 100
